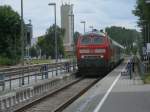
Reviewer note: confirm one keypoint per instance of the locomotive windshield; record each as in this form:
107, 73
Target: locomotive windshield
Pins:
98, 40
94, 40
86, 40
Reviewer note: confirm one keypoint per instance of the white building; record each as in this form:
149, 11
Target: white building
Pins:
67, 23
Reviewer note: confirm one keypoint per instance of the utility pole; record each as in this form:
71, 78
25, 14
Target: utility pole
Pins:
22, 41
22, 35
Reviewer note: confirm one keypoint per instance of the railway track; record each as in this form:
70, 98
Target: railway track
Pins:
61, 98
28, 69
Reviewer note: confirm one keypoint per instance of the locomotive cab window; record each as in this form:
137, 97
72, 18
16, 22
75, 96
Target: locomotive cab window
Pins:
98, 40
86, 40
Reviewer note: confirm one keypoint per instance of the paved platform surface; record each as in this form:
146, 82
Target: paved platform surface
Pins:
115, 93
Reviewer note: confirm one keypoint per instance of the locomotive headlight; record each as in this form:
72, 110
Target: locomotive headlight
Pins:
100, 50
84, 51
102, 56
82, 56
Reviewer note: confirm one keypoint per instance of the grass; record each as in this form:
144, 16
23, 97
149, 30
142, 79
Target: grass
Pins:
4, 61
146, 78
37, 61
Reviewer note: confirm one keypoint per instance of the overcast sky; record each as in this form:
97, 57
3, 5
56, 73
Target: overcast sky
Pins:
98, 13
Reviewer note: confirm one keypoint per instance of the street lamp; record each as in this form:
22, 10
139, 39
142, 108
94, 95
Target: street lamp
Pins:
72, 24
56, 56
83, 22
91, 27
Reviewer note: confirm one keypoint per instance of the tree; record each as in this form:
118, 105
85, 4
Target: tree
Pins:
76, 36
125, 37
47, 42
9, 34
33, 51
142, 10
41, 44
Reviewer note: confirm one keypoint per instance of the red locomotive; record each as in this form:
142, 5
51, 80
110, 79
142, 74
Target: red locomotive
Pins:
97, 53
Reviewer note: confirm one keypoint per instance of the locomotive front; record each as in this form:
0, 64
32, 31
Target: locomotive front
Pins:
92, 52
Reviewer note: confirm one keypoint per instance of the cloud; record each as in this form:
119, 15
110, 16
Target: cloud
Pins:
98, 13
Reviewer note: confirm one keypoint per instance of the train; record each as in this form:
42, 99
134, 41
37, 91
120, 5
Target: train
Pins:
97, 53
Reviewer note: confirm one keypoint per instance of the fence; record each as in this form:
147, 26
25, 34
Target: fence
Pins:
18, 77
142, 67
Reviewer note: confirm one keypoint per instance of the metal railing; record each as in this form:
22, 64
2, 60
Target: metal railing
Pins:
24, 95
12, 78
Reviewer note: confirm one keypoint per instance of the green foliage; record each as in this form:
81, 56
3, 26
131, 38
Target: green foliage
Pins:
47, 42
76, 35
142, 11
33, 51
6, 61
9, 35
125, 37
146, 78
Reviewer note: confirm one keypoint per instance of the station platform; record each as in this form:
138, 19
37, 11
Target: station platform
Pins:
115, 93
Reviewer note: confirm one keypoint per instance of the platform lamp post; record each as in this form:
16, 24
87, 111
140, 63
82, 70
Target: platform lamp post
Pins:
83, 22
56, 50
22, 41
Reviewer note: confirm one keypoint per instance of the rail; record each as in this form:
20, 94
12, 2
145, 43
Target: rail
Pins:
68, 98
24, 95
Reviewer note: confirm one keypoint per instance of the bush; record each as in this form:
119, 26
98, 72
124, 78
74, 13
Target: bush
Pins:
6, 61
146, 78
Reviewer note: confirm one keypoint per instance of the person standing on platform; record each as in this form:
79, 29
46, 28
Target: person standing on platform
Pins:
129, 68
133, 64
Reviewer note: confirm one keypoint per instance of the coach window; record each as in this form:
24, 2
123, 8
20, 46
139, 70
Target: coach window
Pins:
86, 40
98, 40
